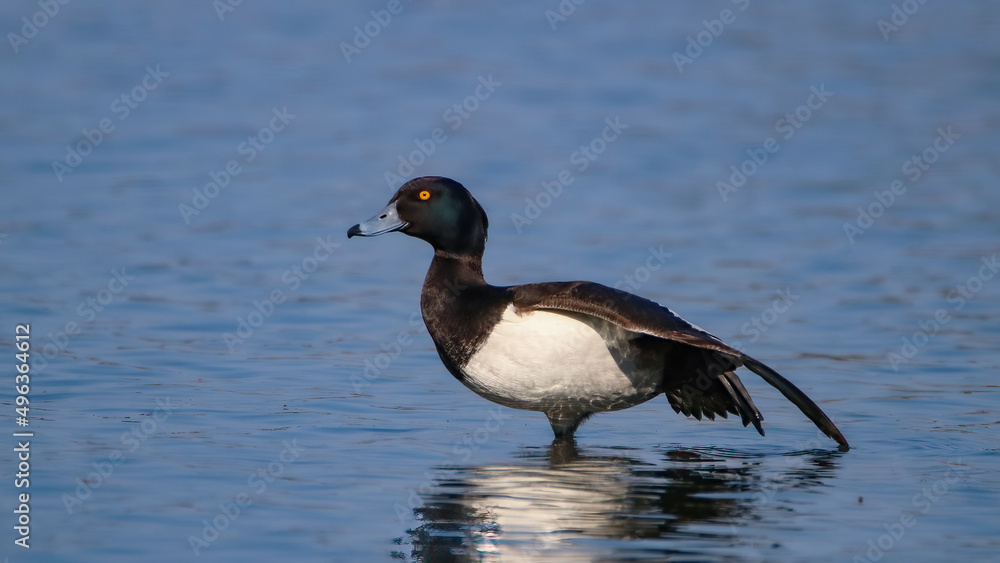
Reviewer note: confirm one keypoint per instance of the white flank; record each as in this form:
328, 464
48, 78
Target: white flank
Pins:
544, 359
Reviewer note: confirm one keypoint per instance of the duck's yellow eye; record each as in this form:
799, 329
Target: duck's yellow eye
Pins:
425, 195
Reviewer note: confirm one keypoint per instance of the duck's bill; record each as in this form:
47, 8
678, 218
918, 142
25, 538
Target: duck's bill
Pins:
385, 221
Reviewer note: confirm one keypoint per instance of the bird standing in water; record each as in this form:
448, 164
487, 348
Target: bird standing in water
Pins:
567, 349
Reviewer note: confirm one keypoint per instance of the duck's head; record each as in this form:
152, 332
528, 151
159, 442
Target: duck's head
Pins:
438, 210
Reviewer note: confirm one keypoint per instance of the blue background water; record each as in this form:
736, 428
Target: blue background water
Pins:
331, 462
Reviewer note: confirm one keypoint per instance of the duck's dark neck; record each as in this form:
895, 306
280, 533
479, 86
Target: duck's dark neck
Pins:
453, 272
459, 307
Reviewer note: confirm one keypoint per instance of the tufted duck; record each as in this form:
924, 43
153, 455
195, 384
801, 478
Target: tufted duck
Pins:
568, 349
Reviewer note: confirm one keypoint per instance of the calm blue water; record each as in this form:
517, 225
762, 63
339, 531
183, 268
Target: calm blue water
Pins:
217, 372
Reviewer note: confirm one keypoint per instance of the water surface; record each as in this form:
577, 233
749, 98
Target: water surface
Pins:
220, 373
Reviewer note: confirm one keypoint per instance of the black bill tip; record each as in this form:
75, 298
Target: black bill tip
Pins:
386, 221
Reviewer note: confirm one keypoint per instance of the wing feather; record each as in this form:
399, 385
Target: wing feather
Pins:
624, 309
800, 399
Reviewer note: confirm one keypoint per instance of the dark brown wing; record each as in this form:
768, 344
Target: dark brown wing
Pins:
720, 390
624, 309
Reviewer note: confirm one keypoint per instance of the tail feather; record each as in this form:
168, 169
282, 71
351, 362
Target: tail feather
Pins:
795, 395
744, 403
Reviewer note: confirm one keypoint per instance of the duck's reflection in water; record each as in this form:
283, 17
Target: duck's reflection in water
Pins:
562, 504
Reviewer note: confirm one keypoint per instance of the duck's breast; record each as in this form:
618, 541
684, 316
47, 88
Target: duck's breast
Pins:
545, 359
